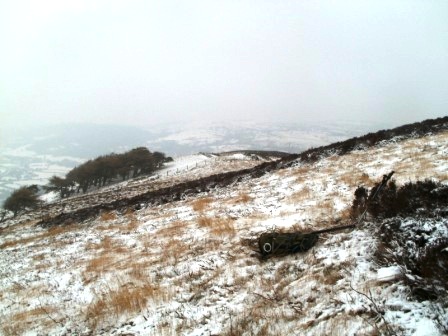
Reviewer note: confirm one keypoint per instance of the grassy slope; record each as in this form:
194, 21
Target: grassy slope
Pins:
187, 267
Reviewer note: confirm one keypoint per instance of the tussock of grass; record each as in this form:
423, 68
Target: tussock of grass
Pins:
173, 250
99, 264
133, 222
22, 241
355, 178
136, 270
175, 228
243, 197
325, 210
300, 195
223, 227
301, 172
201, 204
217, 226
205, 221
20, 322
107, 216
118, 301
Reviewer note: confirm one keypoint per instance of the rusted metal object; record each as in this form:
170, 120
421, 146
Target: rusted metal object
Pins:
281, 243
277, 243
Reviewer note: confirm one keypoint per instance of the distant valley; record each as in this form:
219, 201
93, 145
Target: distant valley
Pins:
33, 156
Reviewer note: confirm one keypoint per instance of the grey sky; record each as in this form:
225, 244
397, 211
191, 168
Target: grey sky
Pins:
144, 62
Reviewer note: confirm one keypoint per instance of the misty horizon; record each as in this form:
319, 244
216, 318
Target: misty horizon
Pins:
146, 63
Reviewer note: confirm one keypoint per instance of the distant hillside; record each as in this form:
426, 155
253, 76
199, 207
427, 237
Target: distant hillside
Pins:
32, 156
176, 191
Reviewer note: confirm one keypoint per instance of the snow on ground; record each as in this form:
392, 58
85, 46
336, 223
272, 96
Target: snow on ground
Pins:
184, 163
182, 169
50, 197
189, 268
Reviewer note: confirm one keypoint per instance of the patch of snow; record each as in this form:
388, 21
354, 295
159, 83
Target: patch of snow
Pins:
238, 156
426, 327
49, 197
390, 273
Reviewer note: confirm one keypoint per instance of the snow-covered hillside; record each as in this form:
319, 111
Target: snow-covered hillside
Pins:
188, 267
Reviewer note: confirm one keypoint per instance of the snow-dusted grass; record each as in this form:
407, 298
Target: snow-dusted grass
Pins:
188, 267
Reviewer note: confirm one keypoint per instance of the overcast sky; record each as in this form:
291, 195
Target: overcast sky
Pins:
145, 62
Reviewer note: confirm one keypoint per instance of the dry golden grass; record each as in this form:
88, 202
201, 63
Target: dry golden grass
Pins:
105, 243
129, 212
22, 241
8, 328
300, 195
106, 253
136, 270
301, 172
24, 293
284, 172
205, 222
346, 214
17, 288
106, 227
173, 250
132, 223
223, 227
239, 280
110, 223
30, 315
331, 275
424, 166
248, 323
126, 298
418, 167
107, 216
256, 216
441, 176
201, 204
325, 210
21, 322
355, 178
217, 226
99, 264
243, 197
175, 228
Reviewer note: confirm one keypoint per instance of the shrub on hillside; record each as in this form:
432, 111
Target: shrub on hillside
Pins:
413, 233
423, 198
21, 199
420, 246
